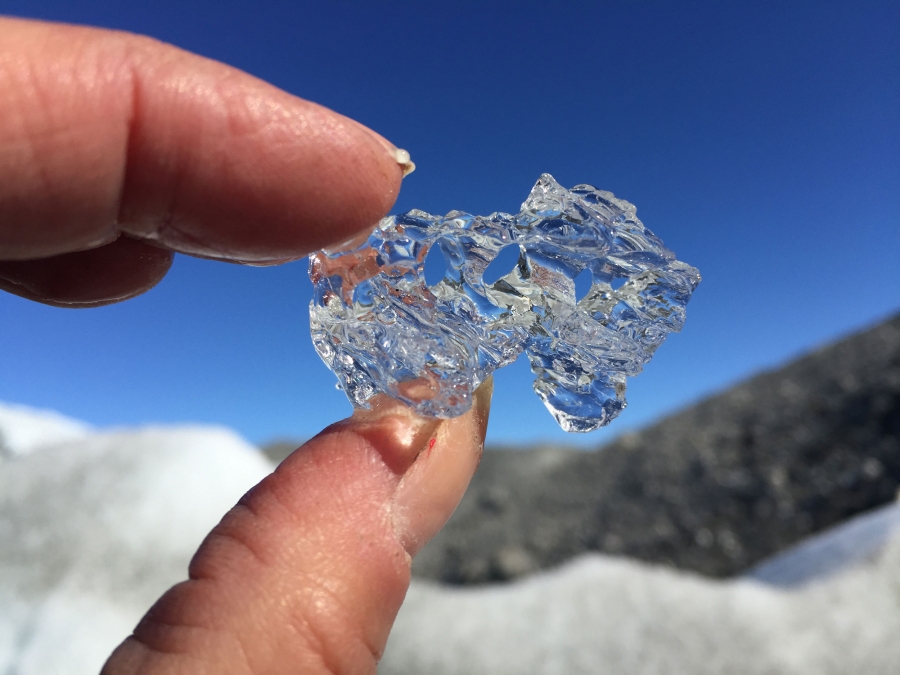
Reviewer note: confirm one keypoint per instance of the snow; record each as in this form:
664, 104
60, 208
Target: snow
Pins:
94, 529
22, 429
600, 614
819, 557
94, 525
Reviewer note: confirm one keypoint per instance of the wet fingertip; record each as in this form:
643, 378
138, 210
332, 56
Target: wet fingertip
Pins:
350, 244
433, 486
395, 431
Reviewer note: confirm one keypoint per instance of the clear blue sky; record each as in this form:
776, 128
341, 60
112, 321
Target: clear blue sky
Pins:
760, 140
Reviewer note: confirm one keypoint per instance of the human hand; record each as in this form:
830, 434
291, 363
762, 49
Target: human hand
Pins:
115, 151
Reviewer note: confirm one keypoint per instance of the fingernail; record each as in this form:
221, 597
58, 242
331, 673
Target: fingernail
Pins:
400, 156
432, 487
482, 406
395, 430
403, 159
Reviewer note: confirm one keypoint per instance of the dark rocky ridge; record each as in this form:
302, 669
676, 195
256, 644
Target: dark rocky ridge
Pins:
713, 489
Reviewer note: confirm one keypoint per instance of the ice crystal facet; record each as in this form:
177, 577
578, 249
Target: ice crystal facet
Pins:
381, 328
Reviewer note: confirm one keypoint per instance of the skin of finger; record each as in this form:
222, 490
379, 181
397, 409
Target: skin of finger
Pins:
102, 132
308, 572
112, 273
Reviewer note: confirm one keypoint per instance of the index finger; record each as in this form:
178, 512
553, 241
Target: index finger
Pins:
105, 133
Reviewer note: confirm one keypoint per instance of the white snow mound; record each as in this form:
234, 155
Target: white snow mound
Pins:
22, 429
94, 528
601, 614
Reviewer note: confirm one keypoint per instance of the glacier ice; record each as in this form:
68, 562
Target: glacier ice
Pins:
381, 327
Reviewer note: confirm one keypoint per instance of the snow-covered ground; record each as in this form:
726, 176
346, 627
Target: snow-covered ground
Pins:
95, 528
94, 525
600, 614
23, 429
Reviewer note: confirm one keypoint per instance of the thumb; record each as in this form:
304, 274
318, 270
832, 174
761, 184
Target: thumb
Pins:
306, 574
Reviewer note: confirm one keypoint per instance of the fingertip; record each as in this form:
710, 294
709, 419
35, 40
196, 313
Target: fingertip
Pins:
310, 569
109, 132
432, 487
394, 430
262, 176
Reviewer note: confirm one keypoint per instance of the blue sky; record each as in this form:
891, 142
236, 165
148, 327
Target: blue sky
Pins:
760, 140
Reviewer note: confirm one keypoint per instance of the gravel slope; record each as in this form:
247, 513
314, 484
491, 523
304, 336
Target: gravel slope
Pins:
713, 489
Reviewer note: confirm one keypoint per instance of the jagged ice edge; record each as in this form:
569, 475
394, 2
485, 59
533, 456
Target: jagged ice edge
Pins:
381, 329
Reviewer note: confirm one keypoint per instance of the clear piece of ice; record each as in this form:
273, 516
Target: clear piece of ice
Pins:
380, 327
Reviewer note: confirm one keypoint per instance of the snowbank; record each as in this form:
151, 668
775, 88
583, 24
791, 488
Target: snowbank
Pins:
610, 615
23, 429
94, 528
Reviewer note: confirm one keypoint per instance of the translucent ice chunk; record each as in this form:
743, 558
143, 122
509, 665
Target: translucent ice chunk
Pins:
381, 328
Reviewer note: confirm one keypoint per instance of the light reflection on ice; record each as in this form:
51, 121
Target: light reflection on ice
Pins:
381, 326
